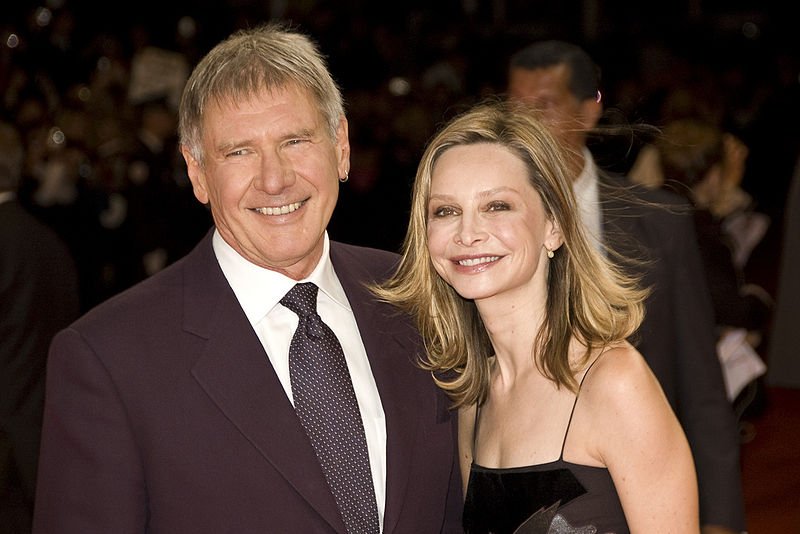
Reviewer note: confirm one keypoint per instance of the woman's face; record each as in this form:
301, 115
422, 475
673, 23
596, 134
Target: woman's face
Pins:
487, 227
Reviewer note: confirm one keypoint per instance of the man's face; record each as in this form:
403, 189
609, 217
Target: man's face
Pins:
547, 91
270, 174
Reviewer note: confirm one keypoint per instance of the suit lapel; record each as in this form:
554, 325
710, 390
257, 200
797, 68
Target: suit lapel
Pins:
390, 350
235, 372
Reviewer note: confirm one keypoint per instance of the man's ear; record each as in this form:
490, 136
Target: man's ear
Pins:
343, 148
591, 111
196, 175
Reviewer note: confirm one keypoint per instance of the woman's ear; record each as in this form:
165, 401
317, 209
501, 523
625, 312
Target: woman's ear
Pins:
553, 239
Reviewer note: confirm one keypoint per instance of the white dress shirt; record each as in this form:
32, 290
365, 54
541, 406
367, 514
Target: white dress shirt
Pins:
259, 291
588, 199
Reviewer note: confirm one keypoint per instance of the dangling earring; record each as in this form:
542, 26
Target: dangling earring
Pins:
550, 253
346, 177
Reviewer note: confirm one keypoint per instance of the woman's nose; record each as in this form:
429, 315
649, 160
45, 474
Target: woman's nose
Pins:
470, 230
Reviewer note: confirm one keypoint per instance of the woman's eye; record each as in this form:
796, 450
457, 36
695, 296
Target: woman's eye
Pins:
498, 206
443, 211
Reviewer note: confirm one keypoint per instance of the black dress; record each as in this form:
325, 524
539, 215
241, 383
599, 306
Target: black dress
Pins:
553, 498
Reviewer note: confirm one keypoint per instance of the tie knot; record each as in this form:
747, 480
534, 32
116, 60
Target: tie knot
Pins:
302, 299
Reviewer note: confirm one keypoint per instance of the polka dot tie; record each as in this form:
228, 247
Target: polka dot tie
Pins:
326, 405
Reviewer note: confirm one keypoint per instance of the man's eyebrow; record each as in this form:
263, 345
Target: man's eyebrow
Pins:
226, 146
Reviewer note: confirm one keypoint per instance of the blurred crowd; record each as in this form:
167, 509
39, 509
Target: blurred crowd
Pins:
94, 90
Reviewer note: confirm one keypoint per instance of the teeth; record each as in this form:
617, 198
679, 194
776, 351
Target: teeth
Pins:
282, 210
478, 261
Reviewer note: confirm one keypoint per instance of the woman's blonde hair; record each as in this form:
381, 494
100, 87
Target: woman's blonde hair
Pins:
588, 298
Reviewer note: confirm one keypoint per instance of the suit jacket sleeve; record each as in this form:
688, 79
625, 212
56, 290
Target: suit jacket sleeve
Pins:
703, 407
38, 297
455, 497
91, 477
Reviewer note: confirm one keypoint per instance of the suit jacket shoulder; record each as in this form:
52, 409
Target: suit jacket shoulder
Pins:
373, 264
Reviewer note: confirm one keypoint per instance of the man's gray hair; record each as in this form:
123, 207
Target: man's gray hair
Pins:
250, 61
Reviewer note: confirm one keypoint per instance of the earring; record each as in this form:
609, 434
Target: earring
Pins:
550, 254
346, 177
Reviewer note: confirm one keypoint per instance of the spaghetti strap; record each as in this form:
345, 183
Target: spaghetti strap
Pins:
574, 403
475, 427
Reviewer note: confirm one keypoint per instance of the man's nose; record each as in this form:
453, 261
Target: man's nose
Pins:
275, 174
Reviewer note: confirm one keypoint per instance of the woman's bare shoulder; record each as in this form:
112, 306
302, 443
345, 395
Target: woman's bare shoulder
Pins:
619, 375
627, 410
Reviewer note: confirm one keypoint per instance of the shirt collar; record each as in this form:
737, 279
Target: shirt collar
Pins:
259, 290
587, 179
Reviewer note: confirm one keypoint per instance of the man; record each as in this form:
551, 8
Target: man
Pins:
178, 406
560, 81
38, 297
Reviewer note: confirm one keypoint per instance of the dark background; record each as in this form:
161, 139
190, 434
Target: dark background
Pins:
739, 58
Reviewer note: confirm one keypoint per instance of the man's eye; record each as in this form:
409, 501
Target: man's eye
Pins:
234, 153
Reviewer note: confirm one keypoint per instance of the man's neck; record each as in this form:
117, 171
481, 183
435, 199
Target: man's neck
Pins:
576, 162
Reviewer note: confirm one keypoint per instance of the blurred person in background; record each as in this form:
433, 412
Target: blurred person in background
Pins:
692, 158
561, 83
38, 297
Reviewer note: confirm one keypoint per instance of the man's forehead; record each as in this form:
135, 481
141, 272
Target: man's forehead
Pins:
550, 77
235, 98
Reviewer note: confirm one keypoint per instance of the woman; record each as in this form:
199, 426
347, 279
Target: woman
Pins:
563, 427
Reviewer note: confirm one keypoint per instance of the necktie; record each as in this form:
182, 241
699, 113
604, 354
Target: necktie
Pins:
326, 405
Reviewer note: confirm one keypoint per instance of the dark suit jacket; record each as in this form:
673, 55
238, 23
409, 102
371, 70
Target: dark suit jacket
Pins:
38, 297
677, 337
163, 415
